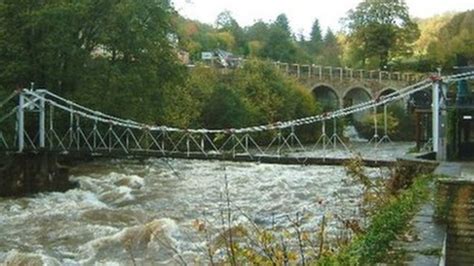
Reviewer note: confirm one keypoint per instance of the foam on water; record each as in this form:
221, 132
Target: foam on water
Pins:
14, 257
113, 188
351, 133
140, 239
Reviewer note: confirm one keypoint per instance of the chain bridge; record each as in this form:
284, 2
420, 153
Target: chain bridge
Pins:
33, 120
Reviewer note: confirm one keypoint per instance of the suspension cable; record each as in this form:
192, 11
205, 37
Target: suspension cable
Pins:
70, 106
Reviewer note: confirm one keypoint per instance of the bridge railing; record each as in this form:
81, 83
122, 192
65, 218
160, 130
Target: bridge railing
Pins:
319, 72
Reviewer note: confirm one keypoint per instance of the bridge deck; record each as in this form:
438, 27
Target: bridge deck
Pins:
260, 158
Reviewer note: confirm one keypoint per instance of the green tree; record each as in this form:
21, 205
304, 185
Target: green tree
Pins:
258, 31
196, 37
226, 23
134, 60
40, 42
381, 30
316, 39
331, 51
225, 109
255, 94
92, 50
272, 96
456, 41
279, 45
256, 36
282, 22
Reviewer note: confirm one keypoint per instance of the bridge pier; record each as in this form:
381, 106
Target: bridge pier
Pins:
27, 173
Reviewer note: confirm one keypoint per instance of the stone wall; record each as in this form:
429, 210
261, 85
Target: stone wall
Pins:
455, 207
28, 173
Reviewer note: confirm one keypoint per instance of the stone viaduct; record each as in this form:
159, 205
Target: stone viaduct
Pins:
337, 87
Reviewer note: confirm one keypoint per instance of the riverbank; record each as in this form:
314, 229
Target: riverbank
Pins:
390, 220
441, 229
32, 172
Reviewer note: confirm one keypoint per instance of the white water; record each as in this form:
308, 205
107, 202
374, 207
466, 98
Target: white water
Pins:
149, 209
350, 132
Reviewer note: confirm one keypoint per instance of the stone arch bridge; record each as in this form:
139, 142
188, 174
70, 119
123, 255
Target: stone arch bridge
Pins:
337, 87
340, 87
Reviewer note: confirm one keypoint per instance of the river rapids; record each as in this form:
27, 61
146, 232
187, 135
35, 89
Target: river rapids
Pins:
146, 212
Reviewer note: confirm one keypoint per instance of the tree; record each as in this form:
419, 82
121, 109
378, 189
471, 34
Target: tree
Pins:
39, 42
316, 39
331, 51
226, 40
429, 31
270, 95
456, 41
381, 30
225, 20
226, 23
258, 31
256, 36
91, 50
134, 61
225, 109
279, 45
283, 23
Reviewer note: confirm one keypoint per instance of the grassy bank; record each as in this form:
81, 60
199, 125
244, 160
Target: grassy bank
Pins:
389, 221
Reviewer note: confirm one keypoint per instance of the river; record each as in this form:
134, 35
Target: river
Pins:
149, 211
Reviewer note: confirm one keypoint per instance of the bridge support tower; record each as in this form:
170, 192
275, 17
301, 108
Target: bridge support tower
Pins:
34, 105
439, 119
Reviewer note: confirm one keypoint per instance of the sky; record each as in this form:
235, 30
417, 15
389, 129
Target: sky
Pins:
301, 13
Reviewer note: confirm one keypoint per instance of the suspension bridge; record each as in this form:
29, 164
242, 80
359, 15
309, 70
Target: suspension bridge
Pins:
35, 120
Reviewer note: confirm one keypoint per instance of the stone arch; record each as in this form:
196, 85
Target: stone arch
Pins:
420, 99
386, 91
356, 95
327, 96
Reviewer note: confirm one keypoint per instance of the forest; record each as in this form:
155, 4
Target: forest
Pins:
121, 57
366, 40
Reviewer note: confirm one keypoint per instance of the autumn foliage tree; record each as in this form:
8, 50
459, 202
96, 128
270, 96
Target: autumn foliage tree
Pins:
456, 41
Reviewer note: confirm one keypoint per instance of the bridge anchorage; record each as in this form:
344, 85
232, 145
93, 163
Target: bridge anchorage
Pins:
37, 120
